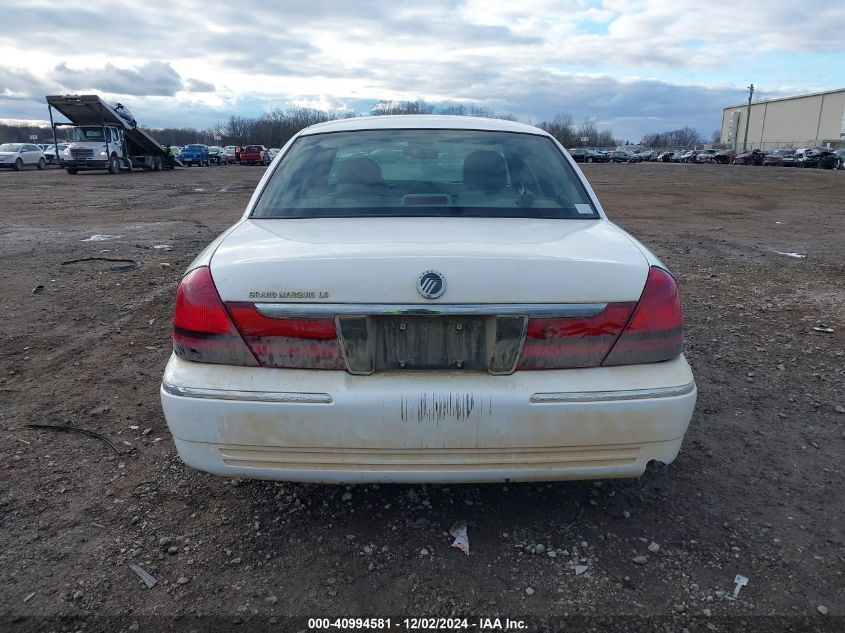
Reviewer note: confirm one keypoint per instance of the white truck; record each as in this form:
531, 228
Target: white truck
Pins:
102, 136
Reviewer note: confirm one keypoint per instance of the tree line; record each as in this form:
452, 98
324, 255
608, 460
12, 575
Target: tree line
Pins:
275, 127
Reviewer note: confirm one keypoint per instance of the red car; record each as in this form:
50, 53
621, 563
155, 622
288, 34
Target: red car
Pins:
255, 155
773, 160
754, 157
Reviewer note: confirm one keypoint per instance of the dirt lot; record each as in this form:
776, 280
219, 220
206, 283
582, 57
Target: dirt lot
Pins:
757, 489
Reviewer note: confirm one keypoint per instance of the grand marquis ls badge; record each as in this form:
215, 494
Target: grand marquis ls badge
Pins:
431, 284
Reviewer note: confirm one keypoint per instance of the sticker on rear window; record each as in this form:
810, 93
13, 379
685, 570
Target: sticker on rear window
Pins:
584, 209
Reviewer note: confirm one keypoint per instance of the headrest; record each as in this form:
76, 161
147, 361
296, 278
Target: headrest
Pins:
360, 171
485, 170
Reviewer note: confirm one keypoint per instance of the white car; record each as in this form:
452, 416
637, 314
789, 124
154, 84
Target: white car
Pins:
459, 310
705, 156
19, 155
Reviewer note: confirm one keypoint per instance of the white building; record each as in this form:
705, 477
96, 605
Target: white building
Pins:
800, 121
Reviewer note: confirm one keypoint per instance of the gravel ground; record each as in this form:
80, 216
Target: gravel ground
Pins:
757, 488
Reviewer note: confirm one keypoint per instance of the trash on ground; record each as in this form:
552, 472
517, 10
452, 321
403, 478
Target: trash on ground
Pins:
143, 575
821, 327
74, 429
740, 581
29, 597
459, 531
580, 569
101, 238
37, 290
795, 255
163, 247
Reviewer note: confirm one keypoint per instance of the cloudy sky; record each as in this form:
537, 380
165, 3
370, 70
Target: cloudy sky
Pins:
636, 66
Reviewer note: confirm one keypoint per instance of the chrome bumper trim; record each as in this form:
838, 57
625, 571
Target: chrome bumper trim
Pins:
251, 396
611, 396
285, 310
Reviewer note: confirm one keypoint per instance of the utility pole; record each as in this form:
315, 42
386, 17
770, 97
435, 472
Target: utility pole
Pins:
748, 118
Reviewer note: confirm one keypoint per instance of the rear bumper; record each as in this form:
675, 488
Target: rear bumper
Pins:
332, 427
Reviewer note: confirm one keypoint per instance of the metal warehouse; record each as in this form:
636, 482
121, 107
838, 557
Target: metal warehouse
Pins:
801, 121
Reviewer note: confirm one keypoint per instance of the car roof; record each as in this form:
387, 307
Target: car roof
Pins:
425, 121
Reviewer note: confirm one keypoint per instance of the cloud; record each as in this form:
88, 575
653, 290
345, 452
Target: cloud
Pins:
18, 83
153, 78
198, 85
327, 103
637, 66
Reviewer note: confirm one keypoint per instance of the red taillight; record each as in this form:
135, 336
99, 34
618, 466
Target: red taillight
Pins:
202, 330
563, 343
298, 343
649, 331
656, 330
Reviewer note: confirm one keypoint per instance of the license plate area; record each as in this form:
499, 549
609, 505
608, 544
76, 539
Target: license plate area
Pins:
430, 343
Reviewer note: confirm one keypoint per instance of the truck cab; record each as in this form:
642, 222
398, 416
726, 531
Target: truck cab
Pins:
94, 147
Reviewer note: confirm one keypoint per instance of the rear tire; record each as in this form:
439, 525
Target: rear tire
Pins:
589, 159
114, 164
18, 165
42, 164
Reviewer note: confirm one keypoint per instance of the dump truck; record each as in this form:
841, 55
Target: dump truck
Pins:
102, 136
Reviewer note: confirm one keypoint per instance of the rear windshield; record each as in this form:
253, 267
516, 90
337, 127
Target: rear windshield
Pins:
253, 148
10, 147
424, 173
193, 148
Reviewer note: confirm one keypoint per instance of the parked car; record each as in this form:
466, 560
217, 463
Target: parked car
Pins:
50, 153
689, 156
622, 156
587, 155
808, 156
467, 315
273, 151
665, 157
787, 157
19, 155
841, 154
233, 153
724, 156
217, 155
773, 159
646, 155
754, 157
828, 159
705, 156
195, 155
254, 155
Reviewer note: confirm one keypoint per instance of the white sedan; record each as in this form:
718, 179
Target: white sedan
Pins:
19, 155
426, 299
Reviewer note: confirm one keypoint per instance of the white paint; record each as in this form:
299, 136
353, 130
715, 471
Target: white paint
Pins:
484, 260
363, 431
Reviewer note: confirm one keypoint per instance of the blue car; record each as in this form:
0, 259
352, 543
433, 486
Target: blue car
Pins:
195, 155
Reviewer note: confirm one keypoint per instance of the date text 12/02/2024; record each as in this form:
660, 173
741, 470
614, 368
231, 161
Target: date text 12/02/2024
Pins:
417, 624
